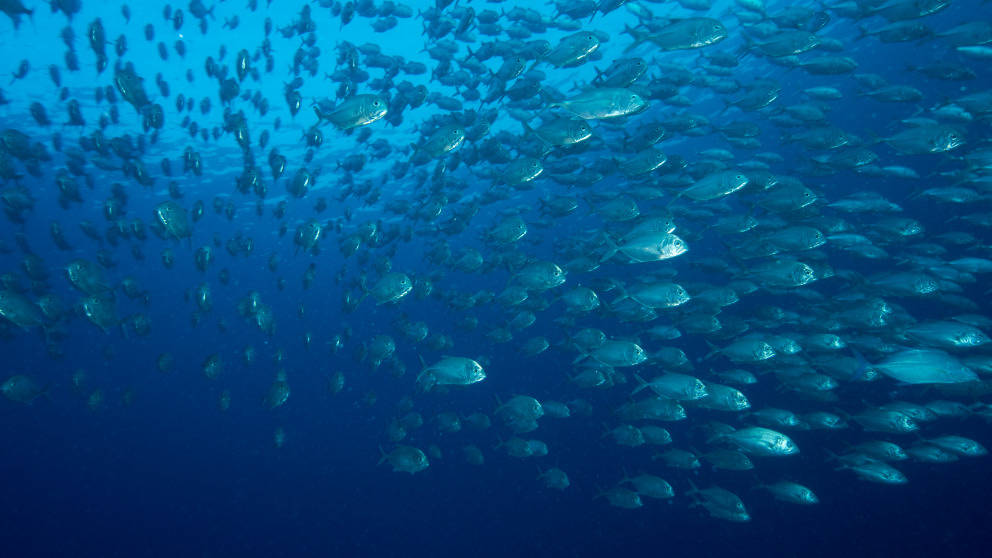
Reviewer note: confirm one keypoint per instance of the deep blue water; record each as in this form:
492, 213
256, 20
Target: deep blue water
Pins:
156, 468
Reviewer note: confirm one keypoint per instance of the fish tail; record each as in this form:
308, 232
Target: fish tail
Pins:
548, 98
611, 248
746, 47
599, 493
623, 296
641, 384
638, 37
859, 372
714, 350
715, 438
626, 475
727, 104
580, 358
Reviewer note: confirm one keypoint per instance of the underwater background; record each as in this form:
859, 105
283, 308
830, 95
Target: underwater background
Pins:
181, 424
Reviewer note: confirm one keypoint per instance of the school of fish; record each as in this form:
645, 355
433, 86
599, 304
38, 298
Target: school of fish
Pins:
720, 237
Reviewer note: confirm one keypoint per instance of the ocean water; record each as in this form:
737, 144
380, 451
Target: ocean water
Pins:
111, 452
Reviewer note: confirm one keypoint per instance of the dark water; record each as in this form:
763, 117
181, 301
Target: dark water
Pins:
140, 462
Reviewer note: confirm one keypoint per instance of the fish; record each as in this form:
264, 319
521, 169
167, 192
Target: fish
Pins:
759, 441
20, 310
926, 366
391, 288
22, 389
173, 219
720, 503
682, 34
405, 459
603, 103
459, 371
353, 112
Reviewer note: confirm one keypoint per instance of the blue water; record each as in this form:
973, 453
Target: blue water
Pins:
156, 468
